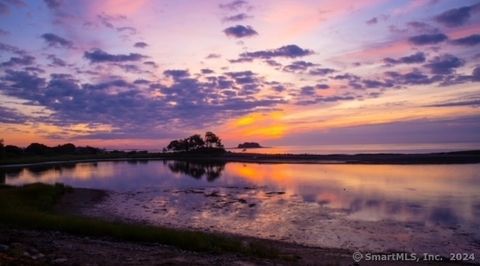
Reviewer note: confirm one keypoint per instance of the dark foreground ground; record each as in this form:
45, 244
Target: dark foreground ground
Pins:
53, 247
27, 247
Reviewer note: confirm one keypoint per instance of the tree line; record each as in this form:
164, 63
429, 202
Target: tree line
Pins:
195, 143
211, 142
42, 149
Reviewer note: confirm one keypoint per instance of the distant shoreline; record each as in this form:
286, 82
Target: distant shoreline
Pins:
457, 157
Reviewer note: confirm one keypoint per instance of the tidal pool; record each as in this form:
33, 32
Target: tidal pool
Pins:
417, 208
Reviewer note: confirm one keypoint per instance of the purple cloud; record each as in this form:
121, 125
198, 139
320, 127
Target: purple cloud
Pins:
236, 18
444, 64
18, 61
372, 21
53, 4
457, 16
467, 41
4, 9
140, 44
322, 86
415, 77
55, 61
54, 40
288, 51
234, 5
176, 73
476, 74
428, 39
11, 49
100, 56
411, 59
207, 71
213, 56
308, 91
298, 66
10, 116
321, 71
240, 31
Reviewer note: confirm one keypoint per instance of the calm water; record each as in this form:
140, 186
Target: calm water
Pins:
366, 148
420, 208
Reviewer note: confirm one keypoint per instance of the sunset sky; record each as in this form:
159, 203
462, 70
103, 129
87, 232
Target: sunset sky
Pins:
135, 74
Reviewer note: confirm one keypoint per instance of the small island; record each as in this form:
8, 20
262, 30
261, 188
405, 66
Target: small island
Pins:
249, 145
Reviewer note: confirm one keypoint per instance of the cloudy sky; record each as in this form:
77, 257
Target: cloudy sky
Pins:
122, 73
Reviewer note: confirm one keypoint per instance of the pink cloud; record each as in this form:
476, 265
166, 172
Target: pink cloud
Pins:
386, 49
410, 7
118, 7
298, 18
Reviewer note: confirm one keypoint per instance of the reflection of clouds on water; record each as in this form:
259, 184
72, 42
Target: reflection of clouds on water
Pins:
261, 212
302, 202
365, 192
58, 173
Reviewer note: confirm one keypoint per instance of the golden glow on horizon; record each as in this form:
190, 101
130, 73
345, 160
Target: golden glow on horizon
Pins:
256, 126
246, 120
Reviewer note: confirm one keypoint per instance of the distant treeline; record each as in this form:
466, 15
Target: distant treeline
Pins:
38, 149
211, 143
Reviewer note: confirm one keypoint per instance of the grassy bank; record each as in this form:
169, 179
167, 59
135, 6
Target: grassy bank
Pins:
32, 207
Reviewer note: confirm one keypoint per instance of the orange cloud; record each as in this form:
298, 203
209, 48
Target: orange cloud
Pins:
256, 125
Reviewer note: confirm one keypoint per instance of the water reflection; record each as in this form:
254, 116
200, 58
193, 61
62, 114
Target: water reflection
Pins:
211, 170
302, 200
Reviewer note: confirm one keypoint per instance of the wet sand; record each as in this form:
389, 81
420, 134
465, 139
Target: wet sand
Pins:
101, 204
277, 215
32, 247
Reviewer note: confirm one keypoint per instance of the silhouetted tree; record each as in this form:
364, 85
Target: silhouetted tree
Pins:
195, 142
2, 149
13, 150
68, 148
213, 140
2, 176
37, 149
88, 150
175, 145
